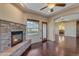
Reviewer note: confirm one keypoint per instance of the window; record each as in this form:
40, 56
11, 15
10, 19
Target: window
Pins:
32, 26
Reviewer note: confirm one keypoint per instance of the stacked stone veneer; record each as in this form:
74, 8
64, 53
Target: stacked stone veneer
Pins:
6, 28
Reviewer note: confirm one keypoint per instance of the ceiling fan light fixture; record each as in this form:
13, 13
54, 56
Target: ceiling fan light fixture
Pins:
51, 10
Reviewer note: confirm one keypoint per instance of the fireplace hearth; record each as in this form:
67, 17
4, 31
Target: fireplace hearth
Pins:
16, 37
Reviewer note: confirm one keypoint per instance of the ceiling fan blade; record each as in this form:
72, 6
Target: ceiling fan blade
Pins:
43, 7
60, 4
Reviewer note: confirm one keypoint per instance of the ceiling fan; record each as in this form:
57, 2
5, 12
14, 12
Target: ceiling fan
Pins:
51, 5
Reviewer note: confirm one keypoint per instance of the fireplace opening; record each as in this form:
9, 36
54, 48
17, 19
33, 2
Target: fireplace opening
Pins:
16, 37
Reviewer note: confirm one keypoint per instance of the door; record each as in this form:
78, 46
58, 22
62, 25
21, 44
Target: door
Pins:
44, 31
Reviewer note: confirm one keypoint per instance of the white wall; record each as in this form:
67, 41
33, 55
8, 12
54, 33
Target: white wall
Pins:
10, 13
51, 29
70, 28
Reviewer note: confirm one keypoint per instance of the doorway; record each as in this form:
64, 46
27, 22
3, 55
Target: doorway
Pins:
44, 31
61, 28
61, 39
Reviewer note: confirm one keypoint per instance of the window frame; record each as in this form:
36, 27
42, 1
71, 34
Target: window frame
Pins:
32, 20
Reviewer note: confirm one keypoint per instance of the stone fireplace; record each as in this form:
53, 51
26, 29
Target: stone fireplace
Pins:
11, 34
16, 37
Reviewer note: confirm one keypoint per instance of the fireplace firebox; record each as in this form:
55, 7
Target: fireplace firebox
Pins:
16, 37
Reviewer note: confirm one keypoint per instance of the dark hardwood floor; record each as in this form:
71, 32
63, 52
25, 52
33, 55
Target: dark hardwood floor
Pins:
50, 48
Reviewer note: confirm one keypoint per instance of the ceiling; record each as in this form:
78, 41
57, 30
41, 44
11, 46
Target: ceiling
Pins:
35, 8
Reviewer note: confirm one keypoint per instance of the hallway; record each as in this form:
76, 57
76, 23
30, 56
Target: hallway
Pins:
50, 48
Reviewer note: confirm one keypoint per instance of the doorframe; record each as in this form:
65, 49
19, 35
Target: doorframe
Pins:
46, 31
